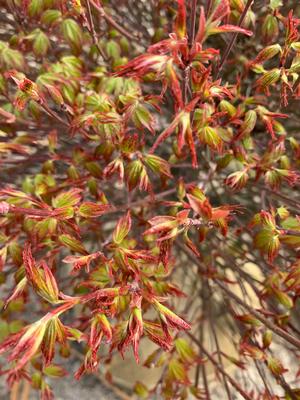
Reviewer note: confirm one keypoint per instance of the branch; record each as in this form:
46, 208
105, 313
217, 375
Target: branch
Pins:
234, 36
193, 22
93, 32
112, 22
276, 329
220, 368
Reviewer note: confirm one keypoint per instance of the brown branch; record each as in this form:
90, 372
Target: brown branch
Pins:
220, 368
14, 393
276, 329
215, 336
26, 390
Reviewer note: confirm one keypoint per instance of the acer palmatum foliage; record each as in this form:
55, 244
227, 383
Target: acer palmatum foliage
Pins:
149, 153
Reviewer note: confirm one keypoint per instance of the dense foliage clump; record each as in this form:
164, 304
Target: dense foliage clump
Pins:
149, 155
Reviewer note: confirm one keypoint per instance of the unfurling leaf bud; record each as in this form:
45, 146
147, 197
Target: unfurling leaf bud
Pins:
249, 123
72, 243
169, 318
268, 242
41, 44
283, 298
237, 180
296, 46
55, 94
72, 33
158, 165
267, 338
88, 209
275, 366
295, 66
185, 351
268, 78
228, 107
267, 53
178, 372
122, 229
40, 277
270, 28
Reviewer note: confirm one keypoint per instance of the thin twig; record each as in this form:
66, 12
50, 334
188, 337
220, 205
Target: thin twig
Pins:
112, 22
220, 368
14, 393
117, 391
234, 36
93, 32
193, 22
25, 390
215, 336
269, 324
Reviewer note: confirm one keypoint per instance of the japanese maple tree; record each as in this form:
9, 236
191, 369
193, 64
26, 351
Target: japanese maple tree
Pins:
149, 155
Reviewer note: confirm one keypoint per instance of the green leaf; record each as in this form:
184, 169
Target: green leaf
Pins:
55, 371
72, 33
67, 199
122, 229
49, 17
142, 118
92, 210
141, 390
274, 4
291, 223
283, 298
275, 366
10, 58
113, 49
185, 351
209, 136
269, 78
249, 122
36, 378
158, 165
268, 242
177, 371
41, 44
133, 172
72, 243
35, 7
